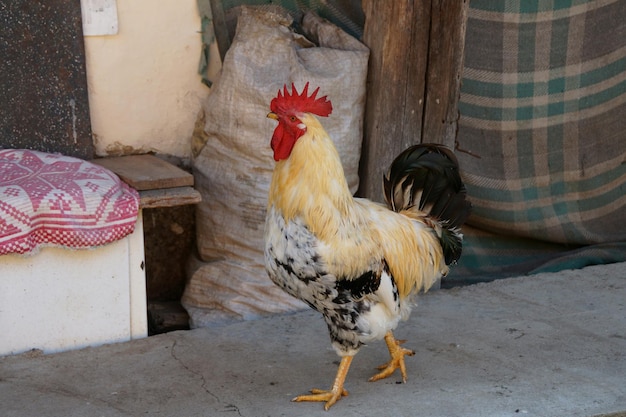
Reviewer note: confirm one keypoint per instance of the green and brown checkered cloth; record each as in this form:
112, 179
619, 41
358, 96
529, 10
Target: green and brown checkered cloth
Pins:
542, 134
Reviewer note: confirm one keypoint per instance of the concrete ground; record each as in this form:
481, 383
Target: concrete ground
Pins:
543, 345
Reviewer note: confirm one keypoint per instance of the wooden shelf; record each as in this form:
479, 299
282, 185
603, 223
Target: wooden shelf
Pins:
146, 172
160, 184
169, 197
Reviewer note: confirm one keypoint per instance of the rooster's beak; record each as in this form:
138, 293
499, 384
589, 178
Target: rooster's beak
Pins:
272, 115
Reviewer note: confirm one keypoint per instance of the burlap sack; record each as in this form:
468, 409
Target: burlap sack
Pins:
233, 161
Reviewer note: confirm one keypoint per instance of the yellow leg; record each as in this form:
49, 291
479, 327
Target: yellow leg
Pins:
397, 358
337, 391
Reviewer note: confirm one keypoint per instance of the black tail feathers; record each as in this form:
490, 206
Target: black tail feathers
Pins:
426, 177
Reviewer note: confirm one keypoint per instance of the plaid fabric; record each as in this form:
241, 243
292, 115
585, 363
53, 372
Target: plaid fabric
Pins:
542, 132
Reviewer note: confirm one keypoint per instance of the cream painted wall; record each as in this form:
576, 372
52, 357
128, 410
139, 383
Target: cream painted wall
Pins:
144, 87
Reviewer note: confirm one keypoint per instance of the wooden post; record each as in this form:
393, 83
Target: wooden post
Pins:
445, 66
414, 77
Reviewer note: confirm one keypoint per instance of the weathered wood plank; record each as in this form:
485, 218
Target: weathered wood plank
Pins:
416, 58
397, 35
445, 67
168, 197
146, 172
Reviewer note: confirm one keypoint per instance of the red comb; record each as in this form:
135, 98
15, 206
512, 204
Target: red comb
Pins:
285, 103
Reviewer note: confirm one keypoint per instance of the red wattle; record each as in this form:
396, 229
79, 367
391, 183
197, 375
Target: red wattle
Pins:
282, 142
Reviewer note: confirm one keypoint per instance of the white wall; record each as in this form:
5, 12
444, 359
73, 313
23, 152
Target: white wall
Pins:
144, 86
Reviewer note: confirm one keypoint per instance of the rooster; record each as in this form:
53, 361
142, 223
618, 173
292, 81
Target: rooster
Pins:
357, 262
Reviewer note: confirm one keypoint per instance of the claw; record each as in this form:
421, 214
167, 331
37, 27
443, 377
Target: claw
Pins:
333, 395
397, 359
330, 396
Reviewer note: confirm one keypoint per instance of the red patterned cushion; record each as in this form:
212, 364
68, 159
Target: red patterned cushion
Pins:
48, 199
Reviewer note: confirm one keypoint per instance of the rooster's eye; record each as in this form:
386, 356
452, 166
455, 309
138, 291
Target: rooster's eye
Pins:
293, 118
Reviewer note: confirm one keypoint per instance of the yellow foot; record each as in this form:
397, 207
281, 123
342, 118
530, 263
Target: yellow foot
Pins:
333, 395
397, 359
